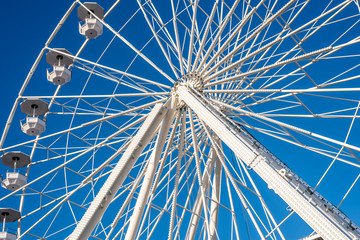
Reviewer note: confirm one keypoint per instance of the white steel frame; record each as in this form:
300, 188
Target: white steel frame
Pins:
230, 66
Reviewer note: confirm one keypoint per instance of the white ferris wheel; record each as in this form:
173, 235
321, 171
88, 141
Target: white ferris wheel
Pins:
189, 119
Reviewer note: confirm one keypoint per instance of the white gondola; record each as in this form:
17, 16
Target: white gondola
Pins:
92, 28
13, 181
60, 59
33, 126
59, 76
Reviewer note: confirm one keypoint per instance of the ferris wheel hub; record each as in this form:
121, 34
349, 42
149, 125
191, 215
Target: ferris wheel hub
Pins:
194, 81
191, 80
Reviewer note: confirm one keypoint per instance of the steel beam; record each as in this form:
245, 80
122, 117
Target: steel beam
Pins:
150, 173
329, 222
215, 195
104, 197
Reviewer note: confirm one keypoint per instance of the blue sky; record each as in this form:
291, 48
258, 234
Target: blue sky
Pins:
25, 30
26, 27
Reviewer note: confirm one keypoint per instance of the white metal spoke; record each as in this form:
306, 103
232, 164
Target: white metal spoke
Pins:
178, 47
158, 41
191, 44
299, 58
215, 195
293, 127
112, 69
218, 35
129, 44
198, 171
207, 29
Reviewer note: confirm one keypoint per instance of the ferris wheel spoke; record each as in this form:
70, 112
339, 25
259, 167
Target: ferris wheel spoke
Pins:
295, 31
87, 124
218, 35
265, 85
158, 40
234, 33
118, 95
174, 200
253, 35
341, 149
240, 61
112, 78
305, 90
327, 153
158, 183
171, 195
128, 44
82, 153
111, 69
263, 203
215, 196
279, 64
309, 93
204, 37
158, 19
198, 171
193, 26
348, 191
255, 191
193, 182
233, 217
326, 52
309, 33
297, 129
178, 46
198, 204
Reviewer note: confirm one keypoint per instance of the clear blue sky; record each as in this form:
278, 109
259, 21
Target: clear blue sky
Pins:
26, 25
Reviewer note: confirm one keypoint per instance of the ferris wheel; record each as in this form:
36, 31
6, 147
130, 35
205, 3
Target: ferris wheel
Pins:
188, 119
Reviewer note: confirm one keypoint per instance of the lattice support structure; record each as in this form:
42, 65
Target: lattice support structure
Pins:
150, 173
103, 199
315, 210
